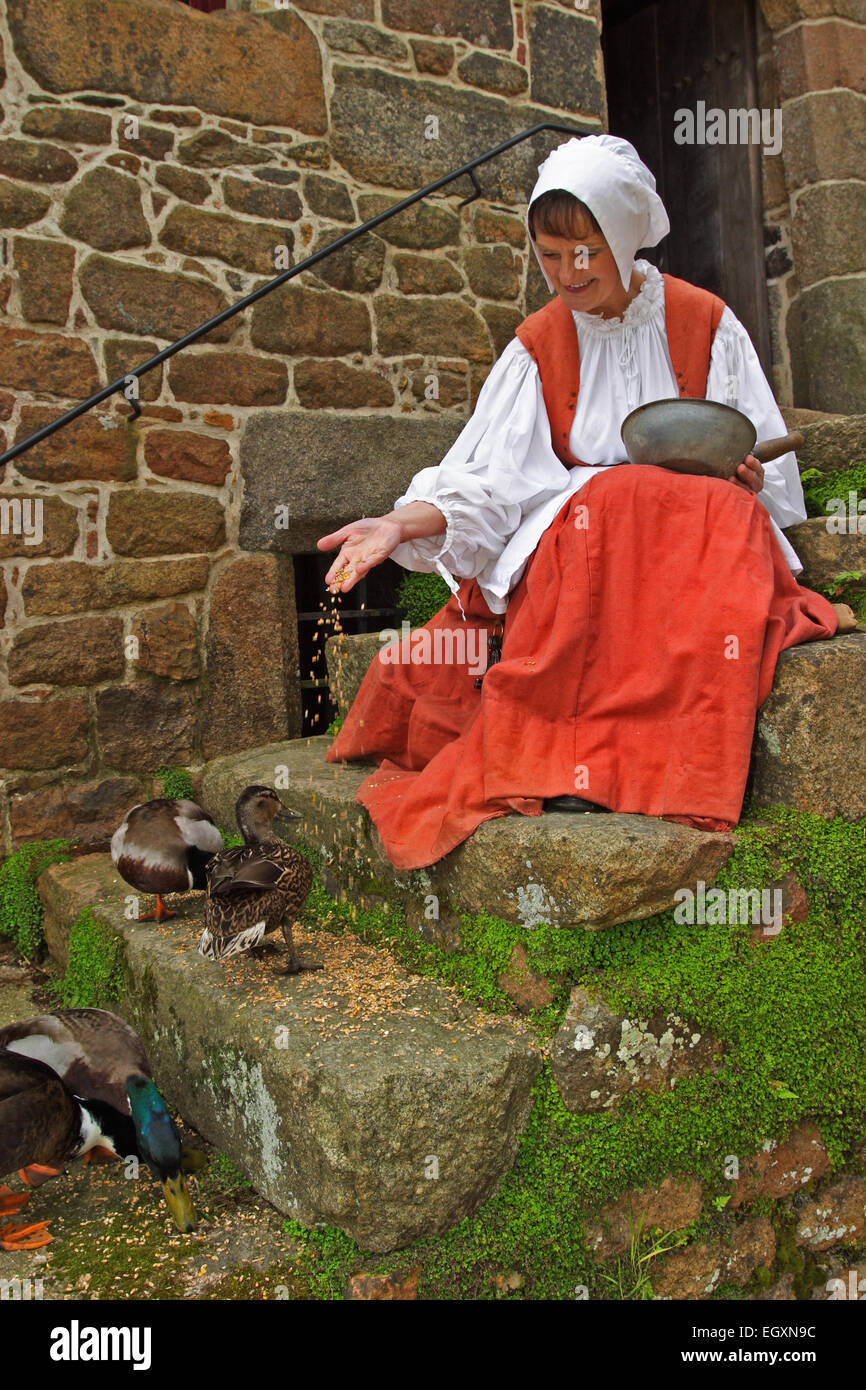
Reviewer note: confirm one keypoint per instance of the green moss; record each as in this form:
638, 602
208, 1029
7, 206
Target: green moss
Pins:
20, 905
175, 782
790, 1011
223, 1176
325, 1260
335, 726
849, 586
819, 488
422, 596
94, 969
792, 1259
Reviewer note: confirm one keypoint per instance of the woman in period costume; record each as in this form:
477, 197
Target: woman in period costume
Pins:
641, 611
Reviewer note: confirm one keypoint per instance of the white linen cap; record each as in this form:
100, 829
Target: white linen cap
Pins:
607, 174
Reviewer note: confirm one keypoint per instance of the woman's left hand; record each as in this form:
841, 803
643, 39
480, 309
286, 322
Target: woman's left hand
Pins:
750, 474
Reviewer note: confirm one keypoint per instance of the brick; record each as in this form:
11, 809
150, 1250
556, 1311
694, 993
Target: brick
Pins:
144, 521
86, 813
168, 643
194, 458
42, 362
296, 321
101, 447
235, 67
104, 210
234, 378
320, 385
73, 586
79, 652
145, 726
52, 733
139, 299
36, 161
44, 271
59, 527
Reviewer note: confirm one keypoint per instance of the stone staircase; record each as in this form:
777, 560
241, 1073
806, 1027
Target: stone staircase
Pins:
357, 1096
366, 1098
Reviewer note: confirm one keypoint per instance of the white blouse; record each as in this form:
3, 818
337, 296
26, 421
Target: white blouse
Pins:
501, 485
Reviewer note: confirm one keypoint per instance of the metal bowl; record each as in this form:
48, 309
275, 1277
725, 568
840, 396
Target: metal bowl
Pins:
689, 436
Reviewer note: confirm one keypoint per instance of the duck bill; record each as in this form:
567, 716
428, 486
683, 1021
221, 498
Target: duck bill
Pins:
286, 815
179, 1202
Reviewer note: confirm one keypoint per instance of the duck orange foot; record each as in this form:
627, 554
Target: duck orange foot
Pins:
25, 1237
100, 1154
35, 1174
159, 914
11, 1202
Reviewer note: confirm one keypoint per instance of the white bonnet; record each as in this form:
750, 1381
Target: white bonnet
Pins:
609, 177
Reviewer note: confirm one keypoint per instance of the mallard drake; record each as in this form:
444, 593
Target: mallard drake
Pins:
103, 1067
42, 1126
257, 886
163, 846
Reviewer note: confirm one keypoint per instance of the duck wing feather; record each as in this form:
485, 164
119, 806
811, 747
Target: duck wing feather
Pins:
40, 1122
91, 1050
244, 866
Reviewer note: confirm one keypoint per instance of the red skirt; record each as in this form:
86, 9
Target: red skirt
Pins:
637, 648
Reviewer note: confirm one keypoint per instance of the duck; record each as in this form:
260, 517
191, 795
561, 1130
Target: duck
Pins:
255, 887
42, 1126
163, 846
102, 1097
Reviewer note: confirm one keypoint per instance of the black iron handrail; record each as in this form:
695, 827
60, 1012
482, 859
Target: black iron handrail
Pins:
122, 383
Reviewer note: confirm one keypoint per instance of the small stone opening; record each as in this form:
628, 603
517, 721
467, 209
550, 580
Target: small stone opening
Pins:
371, 606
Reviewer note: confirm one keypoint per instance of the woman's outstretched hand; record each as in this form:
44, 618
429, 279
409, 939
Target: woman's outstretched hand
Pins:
750, 474
371, 540
363, 544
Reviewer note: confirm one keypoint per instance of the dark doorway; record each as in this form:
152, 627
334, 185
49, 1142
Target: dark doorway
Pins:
666, 56
371, 606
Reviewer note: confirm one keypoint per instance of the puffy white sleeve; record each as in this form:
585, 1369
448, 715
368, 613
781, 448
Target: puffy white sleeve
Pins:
500, 466
737, 378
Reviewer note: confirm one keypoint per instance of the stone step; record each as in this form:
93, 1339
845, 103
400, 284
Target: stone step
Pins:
347, 657
832, 442
824, 553
358, 1095
809, 750
588, 871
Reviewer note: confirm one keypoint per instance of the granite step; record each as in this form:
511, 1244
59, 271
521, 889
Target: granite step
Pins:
569, 870
824, 553
809, 750
358, 1095
832, 442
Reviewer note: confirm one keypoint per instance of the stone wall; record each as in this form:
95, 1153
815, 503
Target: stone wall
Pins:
155, 165
812, 66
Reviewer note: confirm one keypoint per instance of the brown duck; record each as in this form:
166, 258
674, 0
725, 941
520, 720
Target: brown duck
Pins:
257, 886
102, 1096
163, 847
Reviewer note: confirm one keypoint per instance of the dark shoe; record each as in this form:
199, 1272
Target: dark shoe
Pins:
571, 803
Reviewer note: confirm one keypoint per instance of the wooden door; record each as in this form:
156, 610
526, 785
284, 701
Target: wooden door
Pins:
661, 58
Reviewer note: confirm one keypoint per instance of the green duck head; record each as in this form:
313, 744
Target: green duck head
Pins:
159, 1145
